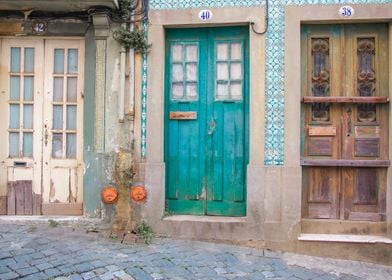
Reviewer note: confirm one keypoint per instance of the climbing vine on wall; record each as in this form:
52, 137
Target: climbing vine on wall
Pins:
132, 39
125, 8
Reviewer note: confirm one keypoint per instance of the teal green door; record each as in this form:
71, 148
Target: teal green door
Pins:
206, 120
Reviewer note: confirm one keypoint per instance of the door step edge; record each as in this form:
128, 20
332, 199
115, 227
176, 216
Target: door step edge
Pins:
210, 219
345, 238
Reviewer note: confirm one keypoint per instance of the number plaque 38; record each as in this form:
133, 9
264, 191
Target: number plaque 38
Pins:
346, 11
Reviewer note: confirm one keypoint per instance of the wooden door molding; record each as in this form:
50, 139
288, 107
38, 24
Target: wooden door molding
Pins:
345, 111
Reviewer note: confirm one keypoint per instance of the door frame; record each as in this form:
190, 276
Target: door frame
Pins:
341, 181
79, 42
316, 14
206, 99
154, 166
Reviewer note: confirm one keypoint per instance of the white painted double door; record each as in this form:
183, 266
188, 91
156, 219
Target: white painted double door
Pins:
41, 118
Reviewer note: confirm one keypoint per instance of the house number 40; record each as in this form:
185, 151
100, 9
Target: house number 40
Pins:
346, 11
205, 15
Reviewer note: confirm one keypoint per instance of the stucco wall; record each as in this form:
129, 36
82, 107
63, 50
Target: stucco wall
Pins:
116, 134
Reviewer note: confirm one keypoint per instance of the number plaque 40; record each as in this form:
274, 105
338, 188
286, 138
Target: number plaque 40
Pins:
205, 15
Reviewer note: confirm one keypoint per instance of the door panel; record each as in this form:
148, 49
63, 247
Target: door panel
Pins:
21, 112
185, 138
63, 115
364, 193
322, 193
226, 112
345, 121
42, 107
206, 154
227, 158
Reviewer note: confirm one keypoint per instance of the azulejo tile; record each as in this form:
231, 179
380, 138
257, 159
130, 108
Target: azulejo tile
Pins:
143, 134
187, 4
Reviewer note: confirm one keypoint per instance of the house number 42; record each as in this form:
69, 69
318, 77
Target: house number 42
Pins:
39, 27
346, 11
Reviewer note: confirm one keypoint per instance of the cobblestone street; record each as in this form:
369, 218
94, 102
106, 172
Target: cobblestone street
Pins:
59, 250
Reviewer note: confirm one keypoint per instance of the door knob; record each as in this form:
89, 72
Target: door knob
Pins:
211, 126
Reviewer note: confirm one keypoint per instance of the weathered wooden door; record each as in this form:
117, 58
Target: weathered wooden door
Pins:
21, 99
206, 121
345, 121
63, 127
41, 121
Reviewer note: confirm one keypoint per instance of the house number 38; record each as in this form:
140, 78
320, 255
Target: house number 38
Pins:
346, 11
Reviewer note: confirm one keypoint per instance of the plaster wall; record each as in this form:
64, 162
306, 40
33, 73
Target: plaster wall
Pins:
117, 134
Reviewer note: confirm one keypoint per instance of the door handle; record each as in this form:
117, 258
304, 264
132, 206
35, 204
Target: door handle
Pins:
211, 127
46, 135
348, 121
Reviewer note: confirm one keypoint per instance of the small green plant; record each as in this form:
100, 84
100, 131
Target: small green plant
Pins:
113, 236
167, 213
132, 39
53, 223
125, 8
144, 231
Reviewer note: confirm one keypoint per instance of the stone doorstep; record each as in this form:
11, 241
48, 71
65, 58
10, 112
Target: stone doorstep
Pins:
345, 238
44, 218
205, 219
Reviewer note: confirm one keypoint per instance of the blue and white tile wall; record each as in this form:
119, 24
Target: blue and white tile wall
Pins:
274, 99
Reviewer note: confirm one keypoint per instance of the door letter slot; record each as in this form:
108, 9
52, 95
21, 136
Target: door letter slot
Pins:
20, 163
187, 115
322, 130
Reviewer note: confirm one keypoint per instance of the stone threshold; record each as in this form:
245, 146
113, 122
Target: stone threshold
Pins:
207, 219
345, 238
44, 218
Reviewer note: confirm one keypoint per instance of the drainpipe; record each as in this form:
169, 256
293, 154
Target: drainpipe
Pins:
121, 95
131, 73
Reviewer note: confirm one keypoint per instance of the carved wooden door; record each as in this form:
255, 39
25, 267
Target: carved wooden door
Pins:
345, 121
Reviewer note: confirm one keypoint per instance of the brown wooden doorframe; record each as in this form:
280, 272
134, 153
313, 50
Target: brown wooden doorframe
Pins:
345, 121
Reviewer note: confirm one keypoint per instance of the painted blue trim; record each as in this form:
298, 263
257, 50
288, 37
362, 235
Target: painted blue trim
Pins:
188, 4
144, 97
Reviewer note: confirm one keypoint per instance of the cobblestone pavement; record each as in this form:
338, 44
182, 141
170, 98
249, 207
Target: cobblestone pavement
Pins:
47, 250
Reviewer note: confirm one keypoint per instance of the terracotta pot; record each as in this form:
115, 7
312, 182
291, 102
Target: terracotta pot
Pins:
138, 193
109, 195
